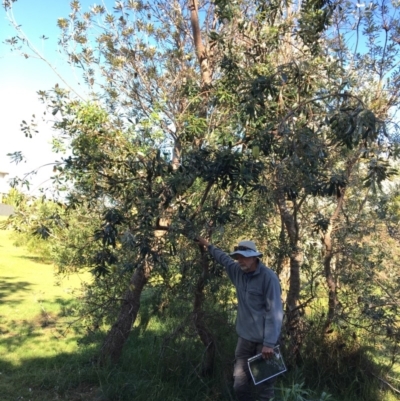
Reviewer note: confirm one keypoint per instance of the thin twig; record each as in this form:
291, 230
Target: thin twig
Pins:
388, 384
30, 46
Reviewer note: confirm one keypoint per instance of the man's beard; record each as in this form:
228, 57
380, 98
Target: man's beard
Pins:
244, 269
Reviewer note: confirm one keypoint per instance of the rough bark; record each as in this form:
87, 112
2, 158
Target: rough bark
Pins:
281, 256
201, 50
198, 310
330, 279
293, 322
329, 251
292, 229
176, 154
113, 344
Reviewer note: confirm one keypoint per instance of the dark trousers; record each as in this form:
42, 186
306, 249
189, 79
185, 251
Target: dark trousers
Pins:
241, 375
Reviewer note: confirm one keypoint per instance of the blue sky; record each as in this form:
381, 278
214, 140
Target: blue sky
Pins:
21, 78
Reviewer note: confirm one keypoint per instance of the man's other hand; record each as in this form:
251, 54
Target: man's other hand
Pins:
202, 241
267, 352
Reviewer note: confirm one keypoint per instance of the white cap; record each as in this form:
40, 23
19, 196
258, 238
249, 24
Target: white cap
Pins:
246, 249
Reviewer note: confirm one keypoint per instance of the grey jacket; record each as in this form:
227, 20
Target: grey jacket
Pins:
260, 311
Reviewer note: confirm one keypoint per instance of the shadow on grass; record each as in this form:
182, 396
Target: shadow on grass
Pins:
63, 377
143, 374
17, 333
154, 366
159, 363
36, 259
150, 369
9, 287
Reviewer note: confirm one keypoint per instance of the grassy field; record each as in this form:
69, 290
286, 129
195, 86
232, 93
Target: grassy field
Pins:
37, 346
40, 359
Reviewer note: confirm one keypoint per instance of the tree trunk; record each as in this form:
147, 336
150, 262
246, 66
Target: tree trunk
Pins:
296, 258
202, 57
199, 318
327, 241
113, 344
330, 280
282, 254
176, 154
293, 323
201, 51
290, 222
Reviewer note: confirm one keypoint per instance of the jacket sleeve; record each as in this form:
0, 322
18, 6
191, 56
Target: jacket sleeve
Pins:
232, 268
274, 313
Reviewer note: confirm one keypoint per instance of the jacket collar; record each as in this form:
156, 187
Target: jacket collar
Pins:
258, 268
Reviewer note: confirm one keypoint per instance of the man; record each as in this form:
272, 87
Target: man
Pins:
259, 316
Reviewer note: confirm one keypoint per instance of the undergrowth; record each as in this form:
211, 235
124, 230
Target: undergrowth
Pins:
162, 359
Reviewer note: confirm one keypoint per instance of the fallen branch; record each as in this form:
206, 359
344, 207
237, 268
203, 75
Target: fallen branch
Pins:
387, 384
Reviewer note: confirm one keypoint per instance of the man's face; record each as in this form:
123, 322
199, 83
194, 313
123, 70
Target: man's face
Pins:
247, 264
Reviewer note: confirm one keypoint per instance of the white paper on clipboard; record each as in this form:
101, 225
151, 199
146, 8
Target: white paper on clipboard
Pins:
264, 369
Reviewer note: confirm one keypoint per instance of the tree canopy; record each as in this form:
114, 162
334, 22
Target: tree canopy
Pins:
230, 119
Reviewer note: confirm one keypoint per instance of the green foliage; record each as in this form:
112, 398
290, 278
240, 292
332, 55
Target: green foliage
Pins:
161, 358
350, 127
279, 130
341, 363
379, 170
13, 198
315, 18
296, 391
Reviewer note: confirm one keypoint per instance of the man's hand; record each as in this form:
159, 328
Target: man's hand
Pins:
202, 241
267, 352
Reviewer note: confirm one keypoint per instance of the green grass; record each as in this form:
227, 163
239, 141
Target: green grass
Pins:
38, 348
40, 359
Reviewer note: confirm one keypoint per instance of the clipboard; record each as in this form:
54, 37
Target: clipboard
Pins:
264, 369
